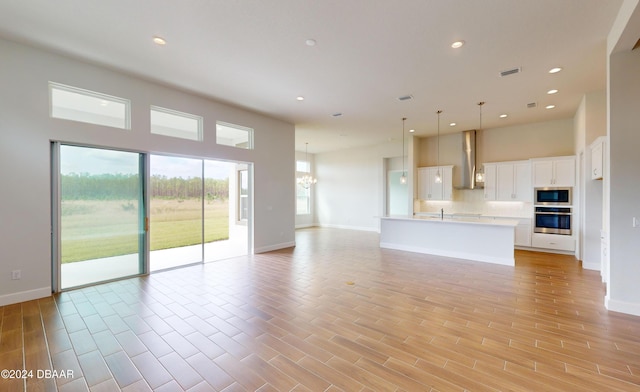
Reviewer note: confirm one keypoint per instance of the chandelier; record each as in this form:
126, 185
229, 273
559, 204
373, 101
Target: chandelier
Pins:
307, 180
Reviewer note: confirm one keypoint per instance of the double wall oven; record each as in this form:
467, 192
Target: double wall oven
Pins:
553, 210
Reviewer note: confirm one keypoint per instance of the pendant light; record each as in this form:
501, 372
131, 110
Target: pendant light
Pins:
438, 178
479, 171
403, 178
307, 180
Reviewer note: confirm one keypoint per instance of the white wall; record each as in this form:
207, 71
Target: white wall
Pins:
621, 175
589, 123
350, 189
624, 182
26, 131
535, 140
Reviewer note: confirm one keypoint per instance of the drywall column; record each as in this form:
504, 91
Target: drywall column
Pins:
624, 182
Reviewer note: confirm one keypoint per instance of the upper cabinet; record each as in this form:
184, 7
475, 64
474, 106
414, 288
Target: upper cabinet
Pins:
597, 158
558, 171
490, 181
508, 181
429, 189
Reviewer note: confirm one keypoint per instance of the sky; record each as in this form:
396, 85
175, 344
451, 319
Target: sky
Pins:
80, 160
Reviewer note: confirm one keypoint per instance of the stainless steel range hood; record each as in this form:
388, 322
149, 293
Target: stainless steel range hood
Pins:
468, 165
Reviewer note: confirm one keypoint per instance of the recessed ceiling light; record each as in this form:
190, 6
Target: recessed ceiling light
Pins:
310, 42
457, 44
412, 130
452, 124
159, 40
552, 91
550, 106
300, 98
555, 70
504, 115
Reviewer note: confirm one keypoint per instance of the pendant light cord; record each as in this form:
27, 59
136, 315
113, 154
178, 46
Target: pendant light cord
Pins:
438, 156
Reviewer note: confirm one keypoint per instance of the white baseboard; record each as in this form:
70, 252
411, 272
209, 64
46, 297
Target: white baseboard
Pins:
622, 306
269, 248
543, 250
347, 227
23, 296
306, 225
591, 266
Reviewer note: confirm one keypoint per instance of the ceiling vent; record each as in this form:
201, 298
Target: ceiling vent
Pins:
405, 98
336, 114
532, 105
510, 72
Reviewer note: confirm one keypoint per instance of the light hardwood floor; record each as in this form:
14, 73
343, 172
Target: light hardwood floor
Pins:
335, 313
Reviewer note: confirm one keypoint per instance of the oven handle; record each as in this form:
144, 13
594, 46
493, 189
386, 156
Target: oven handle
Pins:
552, 213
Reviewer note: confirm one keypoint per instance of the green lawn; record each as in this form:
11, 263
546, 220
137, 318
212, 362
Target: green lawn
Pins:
94, 229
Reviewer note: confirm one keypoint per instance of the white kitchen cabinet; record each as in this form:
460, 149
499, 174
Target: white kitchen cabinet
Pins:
508, 181
523, 233
429, 189
554, 172
504, 182
553, 241
522, 181
522, 230
490, 181
424, 186
597, 158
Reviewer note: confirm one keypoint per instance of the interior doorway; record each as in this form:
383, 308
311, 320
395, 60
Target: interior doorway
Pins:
397, 194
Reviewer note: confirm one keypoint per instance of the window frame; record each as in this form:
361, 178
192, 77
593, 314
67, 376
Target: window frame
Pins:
299, 188
249, 131
199, 120
90, 94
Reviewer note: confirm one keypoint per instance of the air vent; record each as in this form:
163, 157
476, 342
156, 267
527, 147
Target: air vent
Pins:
336, 114
532, 105
405, 98
510, 72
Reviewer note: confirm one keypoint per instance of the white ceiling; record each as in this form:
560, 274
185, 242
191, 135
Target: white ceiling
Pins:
252, 53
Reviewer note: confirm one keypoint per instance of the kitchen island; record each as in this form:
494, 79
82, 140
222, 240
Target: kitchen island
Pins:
478, 239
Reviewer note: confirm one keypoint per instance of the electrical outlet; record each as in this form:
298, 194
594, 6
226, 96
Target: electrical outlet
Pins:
16, 274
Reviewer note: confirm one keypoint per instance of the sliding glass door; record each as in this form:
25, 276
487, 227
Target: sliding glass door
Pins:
99, 214
176, 211
225, 236
192, 212
198, 210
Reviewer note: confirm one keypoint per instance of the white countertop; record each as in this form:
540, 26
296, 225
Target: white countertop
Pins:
465, 214
476, 220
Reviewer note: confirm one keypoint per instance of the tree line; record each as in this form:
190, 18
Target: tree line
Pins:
127, 186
